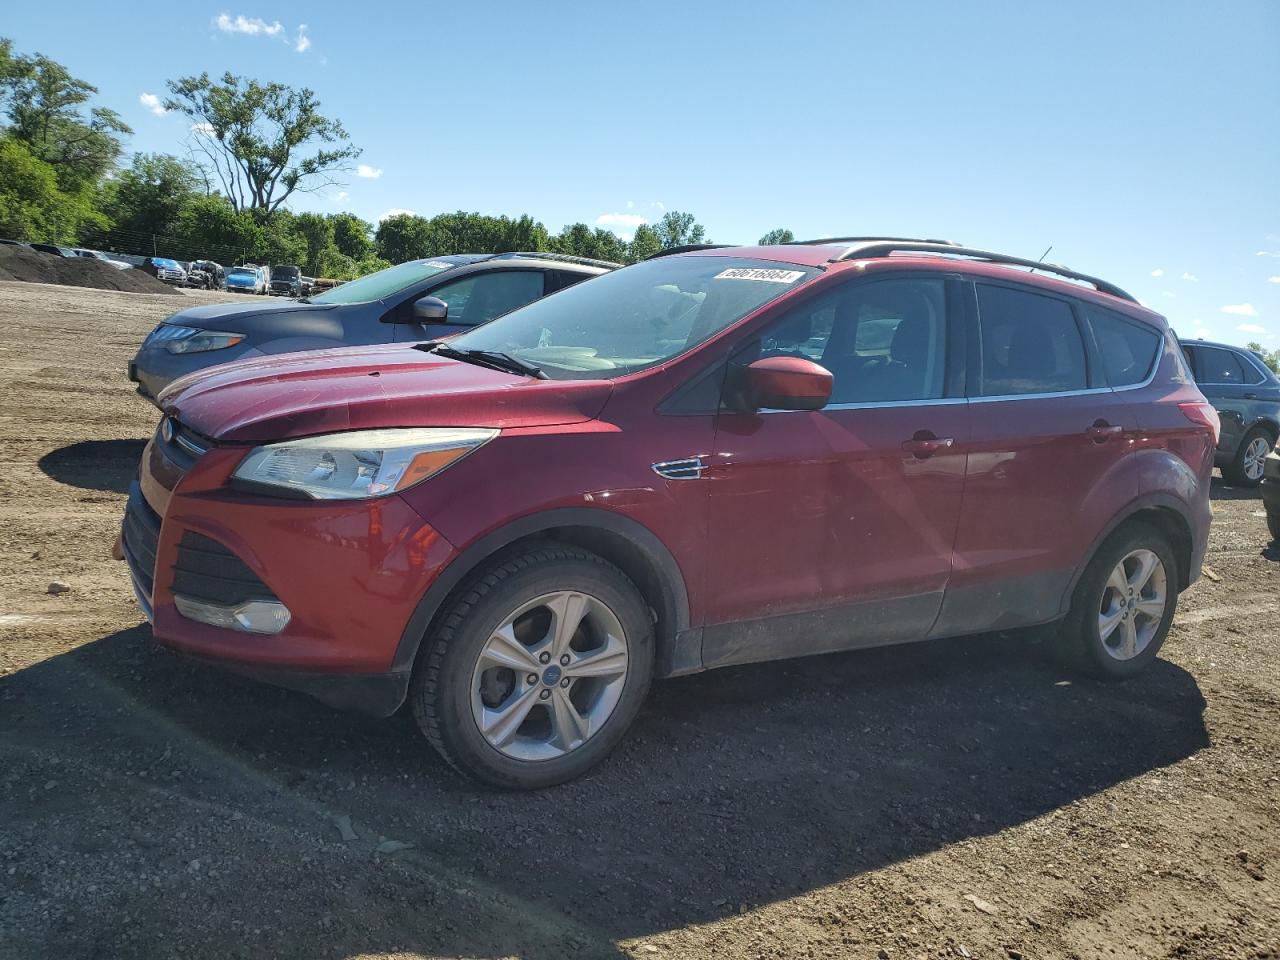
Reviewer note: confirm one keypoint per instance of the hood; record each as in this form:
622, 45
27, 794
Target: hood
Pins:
364, 388
223, 316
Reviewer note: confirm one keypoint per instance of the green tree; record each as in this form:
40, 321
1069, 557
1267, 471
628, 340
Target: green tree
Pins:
211, 226
677, 229
405, 236
1270, 357
316, 232
781, 235
44, 102
351, 235
644, 244
32, 206
261, 142
580, 240
148, 198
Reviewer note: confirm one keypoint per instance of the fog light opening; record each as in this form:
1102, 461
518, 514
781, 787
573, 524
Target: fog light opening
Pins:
252, 616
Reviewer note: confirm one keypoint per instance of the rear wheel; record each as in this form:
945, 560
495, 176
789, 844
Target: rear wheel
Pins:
1245, 470
1123, 605
536, 670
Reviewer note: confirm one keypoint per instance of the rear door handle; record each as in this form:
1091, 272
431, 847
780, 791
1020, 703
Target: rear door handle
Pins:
1101, 431
924, 444
1251, 396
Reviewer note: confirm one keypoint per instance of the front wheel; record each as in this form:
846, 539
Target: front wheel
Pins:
1123, 605
537, 669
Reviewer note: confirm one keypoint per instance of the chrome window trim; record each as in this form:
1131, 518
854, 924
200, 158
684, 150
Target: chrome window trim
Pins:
685, 468
875, 405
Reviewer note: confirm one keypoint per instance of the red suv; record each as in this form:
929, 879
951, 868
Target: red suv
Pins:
717, 456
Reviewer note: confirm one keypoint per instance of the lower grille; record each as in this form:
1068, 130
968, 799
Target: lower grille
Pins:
208, 571
141, 534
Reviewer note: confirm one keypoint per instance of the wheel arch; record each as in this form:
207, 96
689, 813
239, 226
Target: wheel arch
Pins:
1170, 516
624, 542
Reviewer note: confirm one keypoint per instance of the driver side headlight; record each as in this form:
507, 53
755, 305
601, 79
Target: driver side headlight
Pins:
359, 464
201, 340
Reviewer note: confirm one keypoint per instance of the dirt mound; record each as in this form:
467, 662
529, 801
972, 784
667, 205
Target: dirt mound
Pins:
22, 263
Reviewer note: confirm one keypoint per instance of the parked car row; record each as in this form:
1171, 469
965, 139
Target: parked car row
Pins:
69, 252
717, 456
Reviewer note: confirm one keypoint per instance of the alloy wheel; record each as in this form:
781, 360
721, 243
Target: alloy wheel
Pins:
1133, 604
1254, 456
550, 676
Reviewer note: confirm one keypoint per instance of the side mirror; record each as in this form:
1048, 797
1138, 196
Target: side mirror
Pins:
431, 310
787, 383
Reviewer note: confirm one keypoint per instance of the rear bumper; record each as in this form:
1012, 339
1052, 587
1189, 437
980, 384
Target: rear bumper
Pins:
350, 573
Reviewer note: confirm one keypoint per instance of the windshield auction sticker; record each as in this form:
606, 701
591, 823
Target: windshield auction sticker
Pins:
755, 273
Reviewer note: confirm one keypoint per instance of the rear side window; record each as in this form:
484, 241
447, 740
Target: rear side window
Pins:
1217, 366
1251, 373
1030, 344
1128, 349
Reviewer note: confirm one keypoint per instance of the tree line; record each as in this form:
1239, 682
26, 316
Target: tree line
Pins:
251, 147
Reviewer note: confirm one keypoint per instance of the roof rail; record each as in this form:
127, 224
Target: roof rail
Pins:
822, 240
562, 257
882, 248
687, 247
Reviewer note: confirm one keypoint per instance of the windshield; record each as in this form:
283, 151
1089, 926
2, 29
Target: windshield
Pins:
635, 318
383, 283
240, 272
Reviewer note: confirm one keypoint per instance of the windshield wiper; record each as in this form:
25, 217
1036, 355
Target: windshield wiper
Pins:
494, 359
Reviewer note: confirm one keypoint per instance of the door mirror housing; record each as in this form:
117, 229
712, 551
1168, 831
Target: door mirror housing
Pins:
431, 310
787, 383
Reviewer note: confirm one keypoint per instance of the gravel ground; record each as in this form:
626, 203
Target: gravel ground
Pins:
957, 799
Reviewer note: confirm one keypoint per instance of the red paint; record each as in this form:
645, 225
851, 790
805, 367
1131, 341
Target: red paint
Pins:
796, 510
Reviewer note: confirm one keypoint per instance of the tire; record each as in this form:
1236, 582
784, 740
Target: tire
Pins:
452, 692
1245, 469
1082, 640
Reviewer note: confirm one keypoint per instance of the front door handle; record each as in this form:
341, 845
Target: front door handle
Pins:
1251, 396
924, 444
1101, 431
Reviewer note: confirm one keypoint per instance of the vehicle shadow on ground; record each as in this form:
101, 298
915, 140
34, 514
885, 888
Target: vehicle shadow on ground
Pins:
736, 788
109, 465
1222, 490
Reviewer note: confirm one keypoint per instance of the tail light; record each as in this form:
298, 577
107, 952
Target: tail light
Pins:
1202, 412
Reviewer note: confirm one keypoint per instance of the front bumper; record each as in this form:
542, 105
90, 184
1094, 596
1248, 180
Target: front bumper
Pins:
351, 574
154, 368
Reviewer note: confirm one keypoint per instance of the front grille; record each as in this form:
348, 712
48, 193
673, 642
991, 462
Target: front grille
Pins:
208, 571
184, 446
141, 534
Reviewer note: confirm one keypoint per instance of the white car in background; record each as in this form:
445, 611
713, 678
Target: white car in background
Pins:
99, 255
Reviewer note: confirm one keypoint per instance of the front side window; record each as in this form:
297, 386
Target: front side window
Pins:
637, 317
1030, 344
481, 297
1128, 348
883, 341
1217, 366
384, 283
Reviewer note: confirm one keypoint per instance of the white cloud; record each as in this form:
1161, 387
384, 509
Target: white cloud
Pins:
395, 212
631, 204
1273, 279
152, 103
1197, 322
1190, 276
202, 129
341, 197
623, 224
1157, 272
303, 42
1251, 328
1240, 309
368, 172
1268, 253
248, 25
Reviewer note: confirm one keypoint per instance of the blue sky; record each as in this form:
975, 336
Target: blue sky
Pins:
1140, 140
